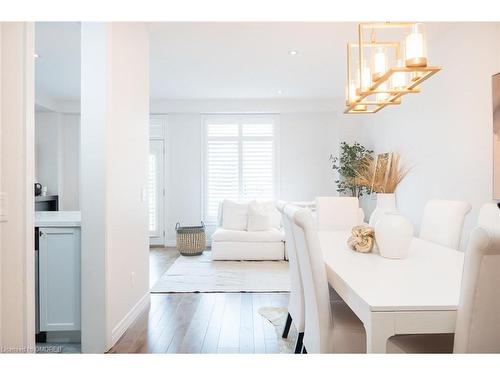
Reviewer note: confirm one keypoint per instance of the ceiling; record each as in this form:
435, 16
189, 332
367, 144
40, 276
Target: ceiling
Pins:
213, 60
190, 60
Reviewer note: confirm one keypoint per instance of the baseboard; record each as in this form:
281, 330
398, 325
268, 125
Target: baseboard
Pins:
172, 243
125, 323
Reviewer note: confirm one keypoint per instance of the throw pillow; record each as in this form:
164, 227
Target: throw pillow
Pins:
234, 215
258, 217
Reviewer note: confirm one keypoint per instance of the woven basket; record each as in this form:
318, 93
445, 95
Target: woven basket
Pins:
191, 240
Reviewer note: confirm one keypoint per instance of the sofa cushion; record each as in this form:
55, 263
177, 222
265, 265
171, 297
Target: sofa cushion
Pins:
272, 211
227, 235
234, 215
259, 218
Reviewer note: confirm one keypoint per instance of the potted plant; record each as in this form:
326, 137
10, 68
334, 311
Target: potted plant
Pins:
352, 158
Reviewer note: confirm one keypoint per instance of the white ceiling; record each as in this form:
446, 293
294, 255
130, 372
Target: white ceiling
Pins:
248, 60
214, 60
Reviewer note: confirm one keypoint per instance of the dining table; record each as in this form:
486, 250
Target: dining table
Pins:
418, 294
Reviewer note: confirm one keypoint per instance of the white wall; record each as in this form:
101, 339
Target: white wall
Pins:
306, 141
57, 156
47, 150
127, 175
115, 134
445, 131
69, 163
17, 298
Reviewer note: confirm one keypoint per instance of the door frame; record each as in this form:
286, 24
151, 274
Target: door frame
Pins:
158, 131
24, 34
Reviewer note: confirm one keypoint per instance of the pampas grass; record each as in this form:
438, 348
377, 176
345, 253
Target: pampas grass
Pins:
387, 183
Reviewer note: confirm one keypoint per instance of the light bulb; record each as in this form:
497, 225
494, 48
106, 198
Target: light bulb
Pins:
415, 50
366, 78
398, 79
382, 96
352, 94
379, 63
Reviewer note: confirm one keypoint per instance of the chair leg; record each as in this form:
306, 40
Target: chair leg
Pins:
287, 326
298, 345
304, 351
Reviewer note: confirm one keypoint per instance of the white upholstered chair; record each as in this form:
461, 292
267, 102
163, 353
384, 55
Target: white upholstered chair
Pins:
443, 221
338, 213
330, 327
296, 297
478, 317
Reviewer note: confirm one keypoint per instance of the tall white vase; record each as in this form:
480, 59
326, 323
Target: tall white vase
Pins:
385, 203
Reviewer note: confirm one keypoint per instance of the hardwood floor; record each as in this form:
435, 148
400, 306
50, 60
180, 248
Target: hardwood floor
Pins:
201, 322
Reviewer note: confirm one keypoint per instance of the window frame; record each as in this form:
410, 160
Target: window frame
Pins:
239, 119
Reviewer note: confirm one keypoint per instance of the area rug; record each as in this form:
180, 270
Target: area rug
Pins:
202, 274
277, 317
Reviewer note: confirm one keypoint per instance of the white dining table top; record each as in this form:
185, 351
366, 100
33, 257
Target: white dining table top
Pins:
428, 279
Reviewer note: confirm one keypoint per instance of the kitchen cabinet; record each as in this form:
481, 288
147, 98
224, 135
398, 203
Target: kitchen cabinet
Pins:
59, 278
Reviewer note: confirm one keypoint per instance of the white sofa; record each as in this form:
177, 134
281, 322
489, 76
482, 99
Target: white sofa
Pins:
240, 237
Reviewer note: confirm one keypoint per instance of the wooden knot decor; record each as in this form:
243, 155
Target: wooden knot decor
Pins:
362, 238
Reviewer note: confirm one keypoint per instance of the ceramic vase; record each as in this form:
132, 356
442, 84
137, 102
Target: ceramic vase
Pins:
393, 235
385, 203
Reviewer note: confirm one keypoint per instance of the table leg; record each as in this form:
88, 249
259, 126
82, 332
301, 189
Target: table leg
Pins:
378, 330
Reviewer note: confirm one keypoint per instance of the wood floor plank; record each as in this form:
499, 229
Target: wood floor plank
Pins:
258, 325
229, 338
271, 339
246, 324
211, 341
195, 334
181, 321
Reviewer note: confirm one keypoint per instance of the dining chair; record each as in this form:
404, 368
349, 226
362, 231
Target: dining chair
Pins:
338, 213
330, 326
477, 327
443, 221
296, 296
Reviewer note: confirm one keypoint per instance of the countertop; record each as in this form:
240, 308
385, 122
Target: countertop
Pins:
57, 218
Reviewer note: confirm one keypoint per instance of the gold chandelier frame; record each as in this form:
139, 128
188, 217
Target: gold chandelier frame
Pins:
361, 104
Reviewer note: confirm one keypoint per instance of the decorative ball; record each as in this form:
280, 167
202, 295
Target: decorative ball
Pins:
362, 239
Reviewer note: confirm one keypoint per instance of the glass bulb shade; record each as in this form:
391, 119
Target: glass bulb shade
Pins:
352, 94
364, 79
415, 49
398, 79
382, 96
379, 63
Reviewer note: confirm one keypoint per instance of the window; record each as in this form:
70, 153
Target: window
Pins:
240, 160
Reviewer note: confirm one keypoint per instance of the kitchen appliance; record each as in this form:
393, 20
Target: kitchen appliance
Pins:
38, 189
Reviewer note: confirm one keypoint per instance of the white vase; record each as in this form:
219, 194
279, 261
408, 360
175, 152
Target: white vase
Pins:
385, 203
393, 234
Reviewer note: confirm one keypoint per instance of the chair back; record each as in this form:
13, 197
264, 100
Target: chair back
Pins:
296, 298
443, 221
478, 318
318, 319
337, 213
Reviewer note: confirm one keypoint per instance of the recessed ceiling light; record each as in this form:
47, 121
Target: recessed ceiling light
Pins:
36, 56
293, 52
280, 92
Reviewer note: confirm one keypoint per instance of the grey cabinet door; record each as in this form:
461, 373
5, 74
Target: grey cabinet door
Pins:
59, 277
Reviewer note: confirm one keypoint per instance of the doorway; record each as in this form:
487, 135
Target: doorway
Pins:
156, 192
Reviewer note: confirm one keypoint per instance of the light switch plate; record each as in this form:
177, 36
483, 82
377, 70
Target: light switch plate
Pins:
3, 206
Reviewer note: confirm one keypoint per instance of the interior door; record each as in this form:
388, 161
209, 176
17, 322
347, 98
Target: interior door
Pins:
156, 192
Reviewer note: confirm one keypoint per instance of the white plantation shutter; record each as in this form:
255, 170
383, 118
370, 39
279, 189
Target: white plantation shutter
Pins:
240, 160
152, 194
258, 170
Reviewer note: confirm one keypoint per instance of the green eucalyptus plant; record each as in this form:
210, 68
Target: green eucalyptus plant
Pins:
351, 158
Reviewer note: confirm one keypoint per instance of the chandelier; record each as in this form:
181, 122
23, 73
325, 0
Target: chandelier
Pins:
381, 71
